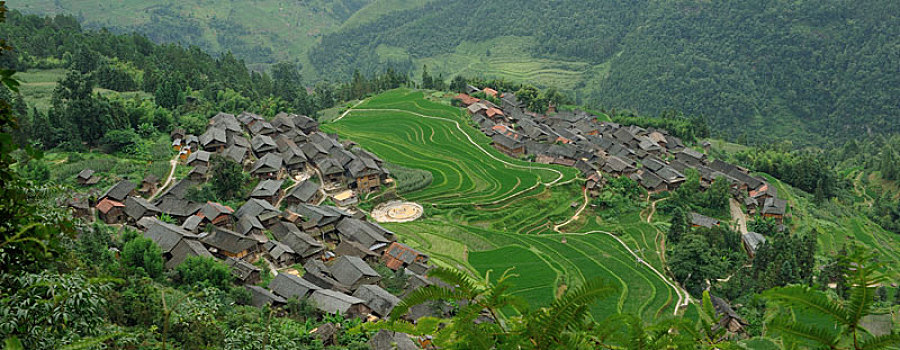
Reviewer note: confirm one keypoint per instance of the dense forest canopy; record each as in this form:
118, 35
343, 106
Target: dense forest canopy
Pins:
800, 68
815, 72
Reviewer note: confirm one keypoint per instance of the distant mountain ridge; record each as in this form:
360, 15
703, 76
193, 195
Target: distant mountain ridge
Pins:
812, 72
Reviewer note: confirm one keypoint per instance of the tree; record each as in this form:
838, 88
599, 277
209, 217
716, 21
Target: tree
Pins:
119, 140
532, 98
227, 178
49, 310
845, 330
680, 225
427, 81
28, 237
142, 255
560, 324
170, 92
85, 60
201, 272
717, 195
458, 84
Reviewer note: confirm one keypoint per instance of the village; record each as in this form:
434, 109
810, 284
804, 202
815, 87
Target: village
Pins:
321, 252
651, 157
326, 253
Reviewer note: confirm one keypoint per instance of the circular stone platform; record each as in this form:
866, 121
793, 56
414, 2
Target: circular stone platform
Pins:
397, 211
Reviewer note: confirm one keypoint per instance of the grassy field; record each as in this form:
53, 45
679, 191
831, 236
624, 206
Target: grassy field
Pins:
488, 212
38, 85
507, 57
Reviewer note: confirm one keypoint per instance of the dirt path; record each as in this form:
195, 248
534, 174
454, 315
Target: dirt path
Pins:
653, 208
321, 186
738, 214
286, 191
348, 111
169, 179
577, 212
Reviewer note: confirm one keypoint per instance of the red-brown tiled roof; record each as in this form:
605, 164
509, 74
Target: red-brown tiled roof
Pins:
490, 92
491, 112
466, 99
107, 204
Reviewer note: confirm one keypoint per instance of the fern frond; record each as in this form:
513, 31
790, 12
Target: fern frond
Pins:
819, 335
90, 343
549, 323
455, 278
881, 342
808, 299
861, 299
425, 294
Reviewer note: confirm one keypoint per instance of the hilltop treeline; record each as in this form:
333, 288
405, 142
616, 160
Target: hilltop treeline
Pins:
188, 85
815, 72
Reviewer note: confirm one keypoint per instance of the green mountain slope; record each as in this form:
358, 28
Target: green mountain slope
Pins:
765, 70
259, 31
812, 72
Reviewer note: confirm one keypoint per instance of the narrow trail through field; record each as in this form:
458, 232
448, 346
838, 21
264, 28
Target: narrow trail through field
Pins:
348, 111
169, 179
577, 212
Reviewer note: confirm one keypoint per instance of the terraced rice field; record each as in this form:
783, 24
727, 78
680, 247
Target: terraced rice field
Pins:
488, 212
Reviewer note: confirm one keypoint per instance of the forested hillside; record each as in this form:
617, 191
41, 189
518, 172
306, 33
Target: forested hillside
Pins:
759, 69
811, 71
262, 34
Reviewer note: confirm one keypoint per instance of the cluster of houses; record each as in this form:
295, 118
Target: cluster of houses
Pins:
652, 157
288, 146
286, 226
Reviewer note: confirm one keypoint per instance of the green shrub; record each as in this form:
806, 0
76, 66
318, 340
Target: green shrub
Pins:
200, 272
141, 255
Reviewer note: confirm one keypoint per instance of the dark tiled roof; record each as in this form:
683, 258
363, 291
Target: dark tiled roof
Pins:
288, 286
271, 162
331, 301
702, 220
753, 240
228, 241
299, 241
377, 299
166, 235
305, 191
362, 232
119, 191
137, 207
267, 188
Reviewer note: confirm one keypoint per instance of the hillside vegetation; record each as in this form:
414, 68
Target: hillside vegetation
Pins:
810, 71
265, 32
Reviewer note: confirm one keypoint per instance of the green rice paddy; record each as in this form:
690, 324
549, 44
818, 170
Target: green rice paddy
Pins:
488, 212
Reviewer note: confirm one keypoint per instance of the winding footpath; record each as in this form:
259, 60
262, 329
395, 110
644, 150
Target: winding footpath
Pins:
577, 213
169, 179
